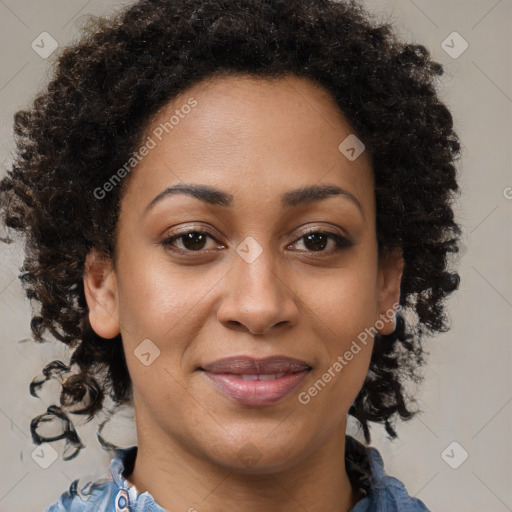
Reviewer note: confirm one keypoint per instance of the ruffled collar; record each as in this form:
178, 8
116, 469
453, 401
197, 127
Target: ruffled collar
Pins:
364, 467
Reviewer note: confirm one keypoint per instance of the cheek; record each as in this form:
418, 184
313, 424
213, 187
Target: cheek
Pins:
168, 306
344, 301
345, 342
157, 296
344, 311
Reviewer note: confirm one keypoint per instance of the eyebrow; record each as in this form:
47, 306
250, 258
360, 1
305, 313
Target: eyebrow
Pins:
290, 199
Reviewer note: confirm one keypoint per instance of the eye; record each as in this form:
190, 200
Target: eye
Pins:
192, 241
316, 241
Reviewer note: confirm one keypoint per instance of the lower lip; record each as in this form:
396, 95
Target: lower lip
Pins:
256, 392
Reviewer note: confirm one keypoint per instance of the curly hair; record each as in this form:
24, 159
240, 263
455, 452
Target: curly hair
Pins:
104, 91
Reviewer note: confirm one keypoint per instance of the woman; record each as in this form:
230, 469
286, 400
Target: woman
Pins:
238, 216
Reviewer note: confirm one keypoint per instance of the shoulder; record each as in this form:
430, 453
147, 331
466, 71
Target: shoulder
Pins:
95, 496
108, 495
115, 494
386, 493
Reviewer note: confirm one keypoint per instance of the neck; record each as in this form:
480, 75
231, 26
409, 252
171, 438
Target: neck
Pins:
180, 480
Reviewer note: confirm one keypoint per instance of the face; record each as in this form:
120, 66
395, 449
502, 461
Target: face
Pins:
235, 297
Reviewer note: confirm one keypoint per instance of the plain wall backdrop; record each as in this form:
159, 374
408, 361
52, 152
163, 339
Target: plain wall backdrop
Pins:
466, 396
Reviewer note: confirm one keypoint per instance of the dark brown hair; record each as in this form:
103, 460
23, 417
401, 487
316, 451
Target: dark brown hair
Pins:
105, 88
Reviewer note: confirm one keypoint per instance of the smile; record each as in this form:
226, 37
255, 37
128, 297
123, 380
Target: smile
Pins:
253, 382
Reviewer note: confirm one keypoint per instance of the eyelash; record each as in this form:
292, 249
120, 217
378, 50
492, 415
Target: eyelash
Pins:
340, 241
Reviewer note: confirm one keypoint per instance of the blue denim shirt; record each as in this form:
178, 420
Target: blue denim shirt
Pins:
383, 493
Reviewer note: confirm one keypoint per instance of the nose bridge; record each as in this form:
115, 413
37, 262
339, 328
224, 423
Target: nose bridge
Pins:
256, 267
258, 296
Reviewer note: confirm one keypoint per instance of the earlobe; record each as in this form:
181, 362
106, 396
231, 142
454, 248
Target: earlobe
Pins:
100, 289
391, 267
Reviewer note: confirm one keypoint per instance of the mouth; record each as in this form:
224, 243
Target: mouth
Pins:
256, 382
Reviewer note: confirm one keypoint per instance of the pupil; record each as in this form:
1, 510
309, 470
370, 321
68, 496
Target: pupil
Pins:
313, 236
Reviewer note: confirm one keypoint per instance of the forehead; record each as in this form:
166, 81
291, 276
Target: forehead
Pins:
285, 109
269, 134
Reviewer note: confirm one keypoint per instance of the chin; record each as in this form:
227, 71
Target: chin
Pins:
257, 455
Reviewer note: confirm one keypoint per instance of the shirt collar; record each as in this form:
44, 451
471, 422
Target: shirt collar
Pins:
122, 465
364, 464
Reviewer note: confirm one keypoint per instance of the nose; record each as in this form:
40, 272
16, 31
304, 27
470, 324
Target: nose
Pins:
259, 298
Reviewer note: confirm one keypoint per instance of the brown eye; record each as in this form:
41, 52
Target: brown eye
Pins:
192, 241
317, 241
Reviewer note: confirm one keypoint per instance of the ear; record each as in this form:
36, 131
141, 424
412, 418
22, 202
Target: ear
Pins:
100, 289
391, 265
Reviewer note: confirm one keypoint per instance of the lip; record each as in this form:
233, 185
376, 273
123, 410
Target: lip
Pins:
227, 375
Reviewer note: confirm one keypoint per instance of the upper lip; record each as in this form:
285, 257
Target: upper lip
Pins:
244, 365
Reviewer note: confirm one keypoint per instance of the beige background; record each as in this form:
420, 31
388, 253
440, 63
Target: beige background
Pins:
467, 392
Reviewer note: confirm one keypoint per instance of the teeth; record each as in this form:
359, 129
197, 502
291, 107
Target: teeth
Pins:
271, 376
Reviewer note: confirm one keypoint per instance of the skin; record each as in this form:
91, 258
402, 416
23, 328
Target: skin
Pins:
254, 139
